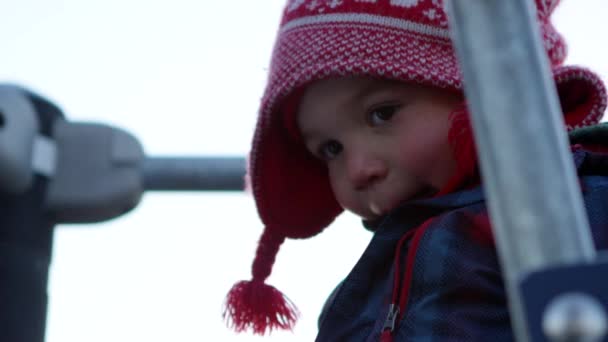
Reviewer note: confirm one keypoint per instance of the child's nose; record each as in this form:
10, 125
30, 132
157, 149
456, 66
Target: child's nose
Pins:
365, 170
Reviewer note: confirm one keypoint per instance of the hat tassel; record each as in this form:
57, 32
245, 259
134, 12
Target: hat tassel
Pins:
255, 304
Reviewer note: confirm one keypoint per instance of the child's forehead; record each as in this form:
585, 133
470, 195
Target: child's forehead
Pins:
355, 87
358, 88
330, 96
335, 95
323, 99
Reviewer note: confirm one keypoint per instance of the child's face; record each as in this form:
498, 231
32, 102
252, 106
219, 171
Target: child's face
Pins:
383, 142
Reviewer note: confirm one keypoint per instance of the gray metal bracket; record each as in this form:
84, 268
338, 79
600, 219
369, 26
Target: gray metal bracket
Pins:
95, 172
98, 175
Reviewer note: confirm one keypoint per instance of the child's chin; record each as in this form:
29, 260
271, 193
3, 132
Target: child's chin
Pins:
425, 192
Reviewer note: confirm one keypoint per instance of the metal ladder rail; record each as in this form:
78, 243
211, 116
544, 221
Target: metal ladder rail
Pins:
528, 174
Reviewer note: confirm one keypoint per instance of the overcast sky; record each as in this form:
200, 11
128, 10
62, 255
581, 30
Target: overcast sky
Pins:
185, 77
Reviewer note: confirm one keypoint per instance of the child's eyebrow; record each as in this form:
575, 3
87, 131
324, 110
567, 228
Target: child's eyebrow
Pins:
373, 87
308, 137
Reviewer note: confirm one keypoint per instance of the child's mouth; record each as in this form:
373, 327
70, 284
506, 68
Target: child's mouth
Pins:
425, 192
376, 210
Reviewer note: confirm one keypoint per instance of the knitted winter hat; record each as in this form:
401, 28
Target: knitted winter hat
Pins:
405, 40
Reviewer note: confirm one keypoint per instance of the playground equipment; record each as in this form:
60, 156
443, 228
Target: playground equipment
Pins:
555, 283
55, 171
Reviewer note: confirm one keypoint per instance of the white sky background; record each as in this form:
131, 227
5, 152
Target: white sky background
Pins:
185, 77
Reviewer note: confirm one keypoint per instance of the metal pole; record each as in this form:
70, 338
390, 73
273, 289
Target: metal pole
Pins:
26, 231
194, 174
534, 202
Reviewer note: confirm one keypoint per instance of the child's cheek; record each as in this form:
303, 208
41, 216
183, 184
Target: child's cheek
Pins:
346, 196
422, 154
413, 154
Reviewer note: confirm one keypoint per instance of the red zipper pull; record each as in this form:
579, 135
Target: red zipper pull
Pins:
386, 336
389, 324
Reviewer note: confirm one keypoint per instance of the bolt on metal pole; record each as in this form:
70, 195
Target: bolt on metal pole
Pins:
537, 212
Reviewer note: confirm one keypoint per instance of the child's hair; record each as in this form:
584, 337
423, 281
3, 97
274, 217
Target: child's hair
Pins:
403, 40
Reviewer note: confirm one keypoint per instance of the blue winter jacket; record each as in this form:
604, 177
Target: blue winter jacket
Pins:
448, 277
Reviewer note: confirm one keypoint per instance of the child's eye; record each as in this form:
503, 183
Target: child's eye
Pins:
330, 150
380, 115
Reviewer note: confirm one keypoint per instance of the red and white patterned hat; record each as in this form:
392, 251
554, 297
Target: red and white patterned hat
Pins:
405, 40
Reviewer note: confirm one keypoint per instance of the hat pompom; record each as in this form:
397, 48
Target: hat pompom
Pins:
254, 304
